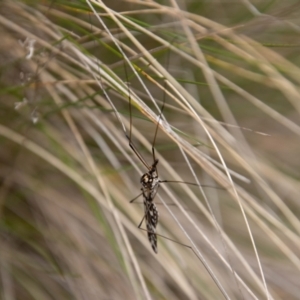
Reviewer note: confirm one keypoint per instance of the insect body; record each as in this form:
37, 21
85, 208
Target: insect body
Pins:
150, 184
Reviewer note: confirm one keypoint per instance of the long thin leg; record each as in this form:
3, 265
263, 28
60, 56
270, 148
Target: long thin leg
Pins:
141, 158
160, 114
192, 183
139, 227
136, 197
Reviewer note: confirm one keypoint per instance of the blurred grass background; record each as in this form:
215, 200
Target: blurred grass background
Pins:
228, 72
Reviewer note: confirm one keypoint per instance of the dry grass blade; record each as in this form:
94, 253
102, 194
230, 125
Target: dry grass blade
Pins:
230, 120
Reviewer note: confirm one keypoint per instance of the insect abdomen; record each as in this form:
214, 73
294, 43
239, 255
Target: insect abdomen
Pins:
151, 217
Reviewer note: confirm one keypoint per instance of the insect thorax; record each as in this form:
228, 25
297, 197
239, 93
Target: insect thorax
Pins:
149, 183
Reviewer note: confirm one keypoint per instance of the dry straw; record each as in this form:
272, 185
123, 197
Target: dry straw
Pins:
229, 125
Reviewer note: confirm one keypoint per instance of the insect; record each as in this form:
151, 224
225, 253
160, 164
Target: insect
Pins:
149, 182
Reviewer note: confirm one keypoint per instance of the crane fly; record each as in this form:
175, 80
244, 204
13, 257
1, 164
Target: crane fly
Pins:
149, 186
149, 180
